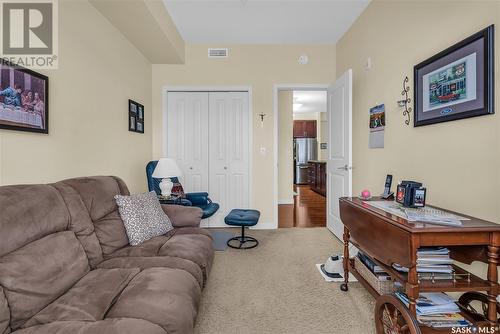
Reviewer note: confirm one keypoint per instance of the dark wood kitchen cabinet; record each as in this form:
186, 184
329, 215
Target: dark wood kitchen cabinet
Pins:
304, 129
317, 176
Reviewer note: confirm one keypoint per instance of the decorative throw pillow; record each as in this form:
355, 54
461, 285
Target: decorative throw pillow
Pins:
143, 217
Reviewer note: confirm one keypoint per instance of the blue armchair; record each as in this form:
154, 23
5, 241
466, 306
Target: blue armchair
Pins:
199, 199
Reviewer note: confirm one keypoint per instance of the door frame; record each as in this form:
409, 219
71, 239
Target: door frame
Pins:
208, 89
276, 89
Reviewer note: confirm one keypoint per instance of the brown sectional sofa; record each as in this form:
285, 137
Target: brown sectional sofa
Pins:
66, 265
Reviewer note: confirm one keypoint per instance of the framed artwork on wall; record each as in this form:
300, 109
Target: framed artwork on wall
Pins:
24, 96
457, 82
135, 117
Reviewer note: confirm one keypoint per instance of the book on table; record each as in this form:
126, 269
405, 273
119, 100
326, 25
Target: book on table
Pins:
444, 320
436, 309
431, 260
380, 273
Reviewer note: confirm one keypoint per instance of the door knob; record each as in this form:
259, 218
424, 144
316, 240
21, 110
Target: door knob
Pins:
345, 167
225, 167
190, 167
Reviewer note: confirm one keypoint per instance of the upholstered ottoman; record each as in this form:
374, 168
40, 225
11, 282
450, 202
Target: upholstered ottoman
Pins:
243, 218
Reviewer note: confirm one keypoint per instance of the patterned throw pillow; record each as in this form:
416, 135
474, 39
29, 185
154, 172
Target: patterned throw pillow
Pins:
143, 217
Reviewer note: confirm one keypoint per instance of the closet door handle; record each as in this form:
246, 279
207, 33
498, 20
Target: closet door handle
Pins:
225, 167
190, 167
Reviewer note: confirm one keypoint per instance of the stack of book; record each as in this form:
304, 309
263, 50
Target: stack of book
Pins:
374, 268
432, 263
437, 310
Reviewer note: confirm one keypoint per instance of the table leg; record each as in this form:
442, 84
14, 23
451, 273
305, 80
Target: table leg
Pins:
412, 290
344, 286
493, 259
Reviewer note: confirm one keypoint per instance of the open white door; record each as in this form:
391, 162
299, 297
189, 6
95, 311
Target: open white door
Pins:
339, 163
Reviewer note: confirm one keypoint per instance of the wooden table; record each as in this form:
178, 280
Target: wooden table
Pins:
389, 239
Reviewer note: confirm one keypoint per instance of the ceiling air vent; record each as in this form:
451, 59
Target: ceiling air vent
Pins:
218, 53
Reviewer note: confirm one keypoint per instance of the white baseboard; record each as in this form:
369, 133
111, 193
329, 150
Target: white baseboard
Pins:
285, 201
265, 226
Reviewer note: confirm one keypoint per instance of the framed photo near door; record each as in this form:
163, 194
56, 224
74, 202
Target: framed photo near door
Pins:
457, 82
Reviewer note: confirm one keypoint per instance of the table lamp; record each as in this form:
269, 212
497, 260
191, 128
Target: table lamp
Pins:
166, 169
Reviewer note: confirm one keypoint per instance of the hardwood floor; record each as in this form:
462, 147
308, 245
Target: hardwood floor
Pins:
308, 210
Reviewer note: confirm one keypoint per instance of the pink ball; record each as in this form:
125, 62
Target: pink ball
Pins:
366, 194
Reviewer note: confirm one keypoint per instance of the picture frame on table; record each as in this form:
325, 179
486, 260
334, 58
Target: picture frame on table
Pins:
24, 99
456, 83
135, 116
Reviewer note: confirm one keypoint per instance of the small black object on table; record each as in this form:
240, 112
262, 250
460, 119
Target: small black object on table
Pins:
172, 199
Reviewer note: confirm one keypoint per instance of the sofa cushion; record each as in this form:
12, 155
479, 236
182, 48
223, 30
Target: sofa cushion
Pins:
111, 232
97, 194
88, 300
81, 223
4, 313
192, 244
167, 297
107, 326
150, 247
153, 262
29, 212
143, 217
38, 273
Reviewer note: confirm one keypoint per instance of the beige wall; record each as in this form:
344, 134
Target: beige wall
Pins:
258, 66
99, 70
285, 147
458, 161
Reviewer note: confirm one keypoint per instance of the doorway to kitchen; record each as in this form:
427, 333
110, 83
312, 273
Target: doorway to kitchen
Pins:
302, 145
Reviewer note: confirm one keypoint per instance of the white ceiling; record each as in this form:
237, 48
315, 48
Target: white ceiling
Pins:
312, 101
264, 21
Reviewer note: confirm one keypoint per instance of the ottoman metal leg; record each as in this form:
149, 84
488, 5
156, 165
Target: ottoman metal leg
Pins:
245, 242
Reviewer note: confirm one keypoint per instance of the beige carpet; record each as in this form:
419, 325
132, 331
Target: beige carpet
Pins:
276, 288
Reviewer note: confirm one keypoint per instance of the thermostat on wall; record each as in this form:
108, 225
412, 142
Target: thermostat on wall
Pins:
304, 59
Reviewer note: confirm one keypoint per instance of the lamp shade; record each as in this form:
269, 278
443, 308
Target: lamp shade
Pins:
165, 168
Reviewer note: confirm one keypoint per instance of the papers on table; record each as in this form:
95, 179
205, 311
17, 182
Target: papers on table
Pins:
431, 260
428, 214
432, 251
443, 320
437, 310
432, 303
448, 269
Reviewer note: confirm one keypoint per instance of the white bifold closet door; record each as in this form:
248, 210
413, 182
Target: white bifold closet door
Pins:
228, 153
208, 135
187, 137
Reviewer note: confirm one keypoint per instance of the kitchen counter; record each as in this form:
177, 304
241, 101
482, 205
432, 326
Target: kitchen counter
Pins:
317, 176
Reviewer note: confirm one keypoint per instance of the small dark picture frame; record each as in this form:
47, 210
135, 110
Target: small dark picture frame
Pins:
457, 82
135, 117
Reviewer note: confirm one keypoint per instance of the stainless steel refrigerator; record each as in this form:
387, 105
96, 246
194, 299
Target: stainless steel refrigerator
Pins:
305, 149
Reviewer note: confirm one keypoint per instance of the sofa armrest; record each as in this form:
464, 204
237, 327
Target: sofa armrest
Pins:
183, 216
